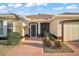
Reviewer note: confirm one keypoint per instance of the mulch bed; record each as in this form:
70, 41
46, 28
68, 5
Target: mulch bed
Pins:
65, 49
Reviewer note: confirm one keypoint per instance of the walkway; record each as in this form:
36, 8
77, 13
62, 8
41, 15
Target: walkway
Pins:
32, 46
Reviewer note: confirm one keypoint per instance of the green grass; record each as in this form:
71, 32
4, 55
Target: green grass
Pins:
65, 49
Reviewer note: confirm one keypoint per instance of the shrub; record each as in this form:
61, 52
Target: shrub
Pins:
47, 42
13, 38
59, 44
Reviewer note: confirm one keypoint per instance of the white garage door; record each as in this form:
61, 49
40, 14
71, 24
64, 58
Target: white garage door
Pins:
71, 31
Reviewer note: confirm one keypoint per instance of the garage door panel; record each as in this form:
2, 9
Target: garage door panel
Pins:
71, 31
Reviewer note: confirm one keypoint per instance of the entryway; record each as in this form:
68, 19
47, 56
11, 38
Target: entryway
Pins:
33, 30
37, 29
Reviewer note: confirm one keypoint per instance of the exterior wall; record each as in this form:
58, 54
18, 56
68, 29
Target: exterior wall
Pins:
17, 27
39, 20
53, 26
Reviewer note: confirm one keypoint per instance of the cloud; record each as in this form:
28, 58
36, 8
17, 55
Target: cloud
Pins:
3, 11
3, 7
58, 8
18, 5
35, 4
71, 7
15, 5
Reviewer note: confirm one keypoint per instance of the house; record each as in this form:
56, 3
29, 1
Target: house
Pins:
64, 26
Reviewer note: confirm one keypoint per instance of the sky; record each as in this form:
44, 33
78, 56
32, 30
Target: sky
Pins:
38, 8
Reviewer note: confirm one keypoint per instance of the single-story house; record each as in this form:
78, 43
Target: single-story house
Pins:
64, 26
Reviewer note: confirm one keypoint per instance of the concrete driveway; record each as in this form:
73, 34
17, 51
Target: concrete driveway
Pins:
74, 45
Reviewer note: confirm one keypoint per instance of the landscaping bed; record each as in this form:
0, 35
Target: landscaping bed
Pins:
65, 49
53, 45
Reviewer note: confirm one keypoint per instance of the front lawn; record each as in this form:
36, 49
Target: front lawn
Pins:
4, 49
65, 49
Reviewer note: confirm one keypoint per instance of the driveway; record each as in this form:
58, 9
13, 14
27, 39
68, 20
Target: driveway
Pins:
74, 45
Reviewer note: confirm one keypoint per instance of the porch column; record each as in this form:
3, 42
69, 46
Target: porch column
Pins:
39, 29
23, 31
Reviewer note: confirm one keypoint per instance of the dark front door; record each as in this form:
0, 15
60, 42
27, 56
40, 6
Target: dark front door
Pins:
44, 28
33, 30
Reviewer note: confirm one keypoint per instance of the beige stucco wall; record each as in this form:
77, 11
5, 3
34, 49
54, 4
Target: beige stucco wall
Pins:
53, 26
39, 20
17, 27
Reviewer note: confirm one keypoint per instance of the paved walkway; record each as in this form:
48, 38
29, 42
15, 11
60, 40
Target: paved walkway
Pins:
33, 47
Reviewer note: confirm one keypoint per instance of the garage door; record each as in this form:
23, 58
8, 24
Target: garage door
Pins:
71, 31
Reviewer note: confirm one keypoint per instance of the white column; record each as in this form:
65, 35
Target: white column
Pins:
5, 28
38, 27
23, 31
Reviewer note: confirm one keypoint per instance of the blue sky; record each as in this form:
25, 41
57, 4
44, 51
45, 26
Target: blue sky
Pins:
36, 8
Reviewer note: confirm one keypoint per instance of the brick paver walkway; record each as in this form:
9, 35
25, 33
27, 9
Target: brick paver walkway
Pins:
33, 47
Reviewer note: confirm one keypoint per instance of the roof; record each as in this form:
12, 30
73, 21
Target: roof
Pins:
40, 16
8, 16
69, 13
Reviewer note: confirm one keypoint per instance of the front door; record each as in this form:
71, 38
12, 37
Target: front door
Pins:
33, 30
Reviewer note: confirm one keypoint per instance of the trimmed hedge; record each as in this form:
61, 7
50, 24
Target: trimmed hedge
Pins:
13, 38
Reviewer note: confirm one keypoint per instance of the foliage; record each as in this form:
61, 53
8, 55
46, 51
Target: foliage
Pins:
47, 42
13, 38
48, 39
49, 36
59, 44
51, 41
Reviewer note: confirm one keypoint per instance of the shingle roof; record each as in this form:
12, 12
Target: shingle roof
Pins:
40, 16
8, 16
69, 13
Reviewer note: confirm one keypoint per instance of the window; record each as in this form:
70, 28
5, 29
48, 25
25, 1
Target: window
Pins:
9, 26
1, 27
